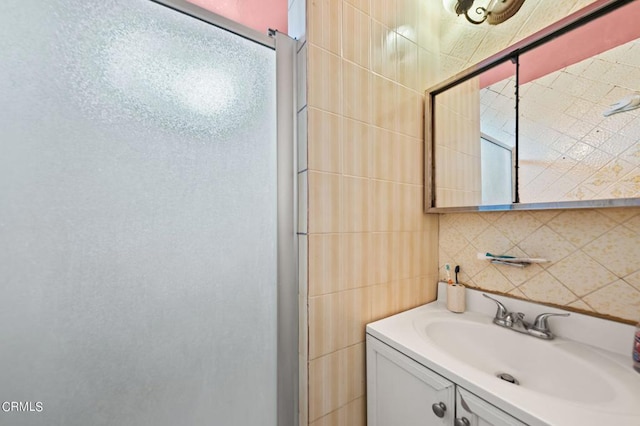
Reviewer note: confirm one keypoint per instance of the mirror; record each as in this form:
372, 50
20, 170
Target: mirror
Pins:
474, 140
552, 122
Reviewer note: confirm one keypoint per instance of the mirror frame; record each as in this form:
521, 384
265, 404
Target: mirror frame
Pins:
511, 53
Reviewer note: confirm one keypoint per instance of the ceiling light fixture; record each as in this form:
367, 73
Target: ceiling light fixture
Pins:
496, 11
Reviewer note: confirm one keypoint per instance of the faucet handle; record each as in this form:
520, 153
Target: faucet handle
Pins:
540, 328
502, 311
540, 323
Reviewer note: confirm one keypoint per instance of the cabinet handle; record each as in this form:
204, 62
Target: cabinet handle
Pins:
439, 409
461, 422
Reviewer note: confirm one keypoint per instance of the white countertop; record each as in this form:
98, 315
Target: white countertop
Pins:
608, 346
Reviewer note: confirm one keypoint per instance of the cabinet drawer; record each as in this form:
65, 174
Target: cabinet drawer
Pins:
479, 412
402, 392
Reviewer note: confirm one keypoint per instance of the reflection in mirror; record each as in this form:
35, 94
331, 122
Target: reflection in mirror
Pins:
551, 122
497, 167
498, 134
474, 140
579, 132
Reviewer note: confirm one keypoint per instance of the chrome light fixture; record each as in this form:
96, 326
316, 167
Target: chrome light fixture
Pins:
496, 11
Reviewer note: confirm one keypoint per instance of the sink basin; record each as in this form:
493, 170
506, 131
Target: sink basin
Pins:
583, 377
558, 368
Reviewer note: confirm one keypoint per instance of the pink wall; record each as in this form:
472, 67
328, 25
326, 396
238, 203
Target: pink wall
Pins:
257, 14
614, 29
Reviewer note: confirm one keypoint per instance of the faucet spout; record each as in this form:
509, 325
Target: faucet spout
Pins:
516, 322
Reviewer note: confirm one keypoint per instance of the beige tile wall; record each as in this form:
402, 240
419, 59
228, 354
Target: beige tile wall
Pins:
593, 256
594, 253
371, 250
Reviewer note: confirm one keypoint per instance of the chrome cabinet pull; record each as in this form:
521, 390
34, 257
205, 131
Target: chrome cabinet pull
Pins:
461, 422
439, 409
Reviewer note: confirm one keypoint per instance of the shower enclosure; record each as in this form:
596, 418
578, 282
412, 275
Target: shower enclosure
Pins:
146, 217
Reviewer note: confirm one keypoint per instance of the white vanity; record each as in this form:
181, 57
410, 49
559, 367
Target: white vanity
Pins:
429, 366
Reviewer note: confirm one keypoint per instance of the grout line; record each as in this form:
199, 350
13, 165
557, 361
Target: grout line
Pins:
361, 342
395, 281
363, 396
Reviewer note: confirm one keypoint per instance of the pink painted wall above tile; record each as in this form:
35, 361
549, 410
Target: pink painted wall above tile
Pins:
257, 14
584, 42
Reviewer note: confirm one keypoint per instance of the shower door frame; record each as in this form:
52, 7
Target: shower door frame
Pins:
287, 246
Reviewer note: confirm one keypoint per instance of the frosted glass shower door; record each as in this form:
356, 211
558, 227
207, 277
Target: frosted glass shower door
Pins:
137, 218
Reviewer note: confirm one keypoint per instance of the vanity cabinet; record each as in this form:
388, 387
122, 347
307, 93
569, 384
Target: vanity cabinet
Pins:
402, 392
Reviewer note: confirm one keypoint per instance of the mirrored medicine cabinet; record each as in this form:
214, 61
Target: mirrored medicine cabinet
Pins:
551, 122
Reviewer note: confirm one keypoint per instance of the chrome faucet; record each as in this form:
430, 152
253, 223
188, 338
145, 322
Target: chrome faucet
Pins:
515, 321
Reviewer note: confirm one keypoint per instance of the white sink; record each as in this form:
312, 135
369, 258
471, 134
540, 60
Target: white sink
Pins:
557, 368
584, 376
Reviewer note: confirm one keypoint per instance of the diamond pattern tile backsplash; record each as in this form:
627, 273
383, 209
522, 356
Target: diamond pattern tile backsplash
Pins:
594, 256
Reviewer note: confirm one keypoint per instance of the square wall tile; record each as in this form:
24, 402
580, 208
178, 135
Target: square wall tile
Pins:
410, 112
429, 254
356, 92
581, 274
385, 162
356, 204
383, 113
324, 202
325, 24
384, 11
396, 207
385, 205
352, 414
545, 288
581, 227
356, 259
356, 148
381, 252
324, 141
396, 296
325, 264
338, 320
356, 29
407, 62
619, 298
383, 50
427, 69
410, 159
407, 18
335, 380
618, 250
325, 80
429, 24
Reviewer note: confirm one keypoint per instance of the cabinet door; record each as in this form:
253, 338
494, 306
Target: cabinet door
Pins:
479, 412
401, 392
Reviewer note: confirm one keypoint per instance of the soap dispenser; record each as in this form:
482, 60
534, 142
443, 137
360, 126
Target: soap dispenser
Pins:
636, 348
